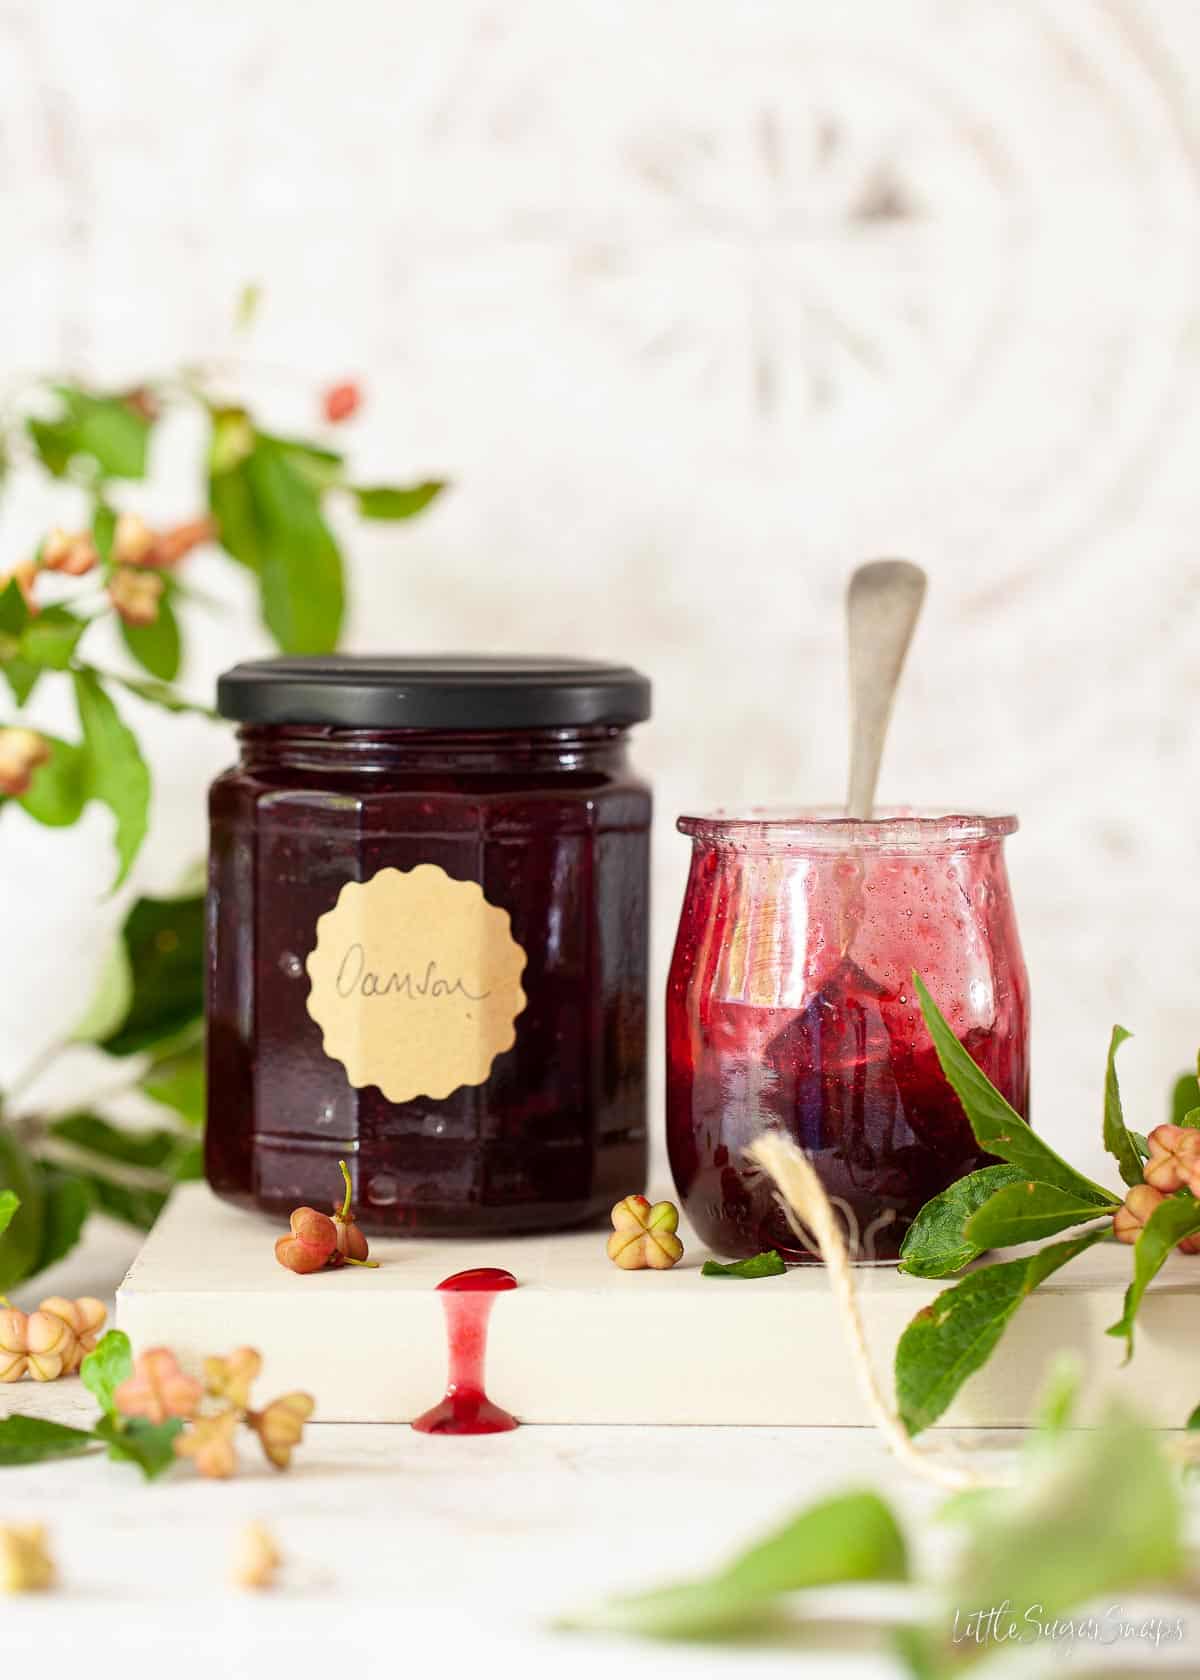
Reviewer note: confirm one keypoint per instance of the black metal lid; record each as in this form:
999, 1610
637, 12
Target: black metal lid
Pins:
440, 691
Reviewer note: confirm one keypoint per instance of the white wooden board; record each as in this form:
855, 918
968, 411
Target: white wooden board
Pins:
582, 1342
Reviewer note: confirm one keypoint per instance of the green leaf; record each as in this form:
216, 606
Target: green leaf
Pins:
249, 300
151, 1446
117, 773
104, 529
128, 1203
321, 468
177, 1157
160, 694
15, 617
109, 1364
1117, 1140
849, 1537
231, 503
105, 430
68, 1203
22, 678
1142, 1144
1102, 1514
1026, 1212
232, 440
1058, 1401
303, 596
178, 1082
768, 1264
1193, 1421
953, 1337
383, 502
111, 998
1185, 1096
1191, 1120
1171, 1221
50, 639
9, 1203
187, 1164
22, 1241
266, 501
130, 1147
53, 443
164, 944
157, 647
59, 789
33, 1440
997, 1126
934, 1244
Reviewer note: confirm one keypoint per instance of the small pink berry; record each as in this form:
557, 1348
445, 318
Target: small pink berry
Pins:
1140, 1202
341, 401
158, 1389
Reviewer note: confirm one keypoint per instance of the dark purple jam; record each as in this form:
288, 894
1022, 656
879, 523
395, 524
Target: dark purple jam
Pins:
548, 821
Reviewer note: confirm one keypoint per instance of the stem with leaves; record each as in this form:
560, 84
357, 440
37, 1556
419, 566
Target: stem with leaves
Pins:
1032, 1195
262, 500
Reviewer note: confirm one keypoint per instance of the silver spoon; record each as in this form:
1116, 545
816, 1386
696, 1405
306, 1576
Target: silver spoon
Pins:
883, 604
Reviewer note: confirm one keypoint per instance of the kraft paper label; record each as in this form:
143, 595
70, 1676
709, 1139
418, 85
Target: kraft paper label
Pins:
415, 982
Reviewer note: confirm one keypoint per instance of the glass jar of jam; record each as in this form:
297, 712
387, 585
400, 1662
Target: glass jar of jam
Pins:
428, 896
790, 1007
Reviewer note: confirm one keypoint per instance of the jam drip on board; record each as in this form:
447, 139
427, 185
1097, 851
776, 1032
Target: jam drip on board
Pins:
465, 1409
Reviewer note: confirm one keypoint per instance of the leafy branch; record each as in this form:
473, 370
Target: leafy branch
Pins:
264, 501
1031, 1195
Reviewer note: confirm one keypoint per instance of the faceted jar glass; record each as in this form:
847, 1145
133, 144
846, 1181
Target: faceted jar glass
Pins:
791, 1008
553, 826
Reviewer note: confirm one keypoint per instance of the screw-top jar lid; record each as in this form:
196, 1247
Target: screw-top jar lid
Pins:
440, 691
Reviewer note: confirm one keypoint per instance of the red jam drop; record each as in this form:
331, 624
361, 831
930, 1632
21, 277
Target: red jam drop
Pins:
465, 1409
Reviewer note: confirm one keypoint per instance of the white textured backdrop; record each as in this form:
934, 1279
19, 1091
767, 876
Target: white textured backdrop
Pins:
696, 304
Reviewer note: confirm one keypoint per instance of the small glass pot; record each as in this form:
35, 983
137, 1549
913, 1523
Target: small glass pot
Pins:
790, 1007
428, 892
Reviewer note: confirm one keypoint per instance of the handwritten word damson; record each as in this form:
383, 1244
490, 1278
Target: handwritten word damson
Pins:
354, 977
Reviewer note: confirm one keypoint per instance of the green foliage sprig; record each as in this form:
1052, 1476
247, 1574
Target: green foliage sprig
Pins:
770, 1263
150, 1446
1092, 1513
1032, 1195
265, 502
262, 500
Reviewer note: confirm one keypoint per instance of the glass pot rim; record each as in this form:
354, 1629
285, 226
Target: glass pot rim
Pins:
827, 828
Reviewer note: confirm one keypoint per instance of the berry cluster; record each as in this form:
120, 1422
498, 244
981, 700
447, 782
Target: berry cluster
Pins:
319, 1242
1173, 1165
159, 1390
50, 1342
138, 557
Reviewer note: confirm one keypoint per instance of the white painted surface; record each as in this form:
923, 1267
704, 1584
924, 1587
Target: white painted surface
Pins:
411, 1554
581, 1341
694, 311
415, 1555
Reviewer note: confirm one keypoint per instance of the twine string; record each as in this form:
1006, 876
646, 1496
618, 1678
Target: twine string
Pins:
811, 1216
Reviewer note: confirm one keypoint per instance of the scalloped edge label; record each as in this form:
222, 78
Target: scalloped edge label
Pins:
415, 982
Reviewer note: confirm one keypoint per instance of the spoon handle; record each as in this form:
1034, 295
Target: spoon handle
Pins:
883, 604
